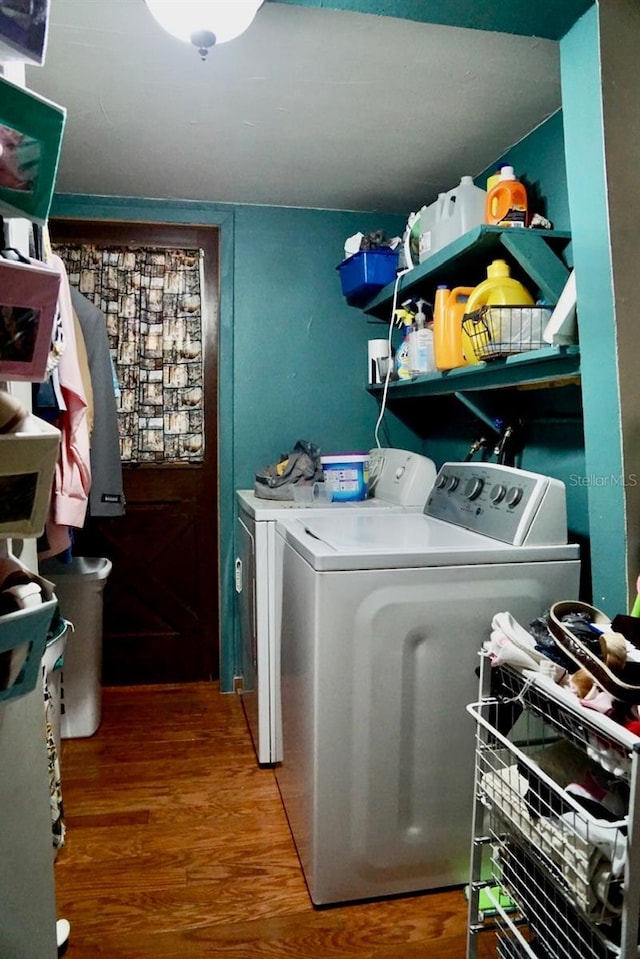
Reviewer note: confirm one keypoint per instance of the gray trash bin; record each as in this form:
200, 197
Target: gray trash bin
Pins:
79, 586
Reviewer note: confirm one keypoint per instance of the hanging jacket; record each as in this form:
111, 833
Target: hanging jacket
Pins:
106, 497
72, 480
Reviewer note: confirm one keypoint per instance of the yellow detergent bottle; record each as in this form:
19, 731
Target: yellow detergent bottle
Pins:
499, 289
448, 310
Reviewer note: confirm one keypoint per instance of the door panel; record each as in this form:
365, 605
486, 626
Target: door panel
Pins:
161, 608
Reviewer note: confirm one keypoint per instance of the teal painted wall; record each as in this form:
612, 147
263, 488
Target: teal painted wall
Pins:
293, 355
303, 347
539, 161
554, 439
554, 431
545, 18
587, 189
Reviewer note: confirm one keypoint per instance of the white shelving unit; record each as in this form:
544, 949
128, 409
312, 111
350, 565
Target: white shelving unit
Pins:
28, 901
573, 879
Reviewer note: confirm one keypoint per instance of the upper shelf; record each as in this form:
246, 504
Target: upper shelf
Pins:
464, 263
549, 365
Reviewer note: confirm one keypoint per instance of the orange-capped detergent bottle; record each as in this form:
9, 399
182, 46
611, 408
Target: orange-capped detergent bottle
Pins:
448, 309
495, 177
507, 203
499, 289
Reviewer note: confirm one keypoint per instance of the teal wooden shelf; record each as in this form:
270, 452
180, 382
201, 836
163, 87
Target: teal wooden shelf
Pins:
549, 365
538, 253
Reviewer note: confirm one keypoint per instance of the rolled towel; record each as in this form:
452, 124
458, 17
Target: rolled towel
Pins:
12, 413
23, 596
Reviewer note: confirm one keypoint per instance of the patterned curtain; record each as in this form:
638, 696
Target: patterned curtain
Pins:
152, 302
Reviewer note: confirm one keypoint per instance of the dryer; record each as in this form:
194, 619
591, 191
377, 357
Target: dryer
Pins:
400, 480
385, 617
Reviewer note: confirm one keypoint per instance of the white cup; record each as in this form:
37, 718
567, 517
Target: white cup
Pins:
312, 494
378, 357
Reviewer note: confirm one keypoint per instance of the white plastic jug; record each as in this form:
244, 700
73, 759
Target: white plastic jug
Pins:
411, 239
430, 228
463, 209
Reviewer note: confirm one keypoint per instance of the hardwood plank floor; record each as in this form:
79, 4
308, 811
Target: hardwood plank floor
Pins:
177, 847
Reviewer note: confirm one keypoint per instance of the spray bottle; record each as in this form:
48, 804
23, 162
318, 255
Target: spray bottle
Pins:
403, 368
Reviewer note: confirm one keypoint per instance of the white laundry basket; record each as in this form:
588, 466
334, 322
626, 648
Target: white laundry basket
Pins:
79, 587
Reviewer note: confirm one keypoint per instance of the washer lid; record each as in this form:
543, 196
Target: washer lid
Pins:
266, 509
355, 541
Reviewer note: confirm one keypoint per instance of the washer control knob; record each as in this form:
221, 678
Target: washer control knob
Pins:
453, 483
498, 493
473, 488
441, 481
514, 495
400, 472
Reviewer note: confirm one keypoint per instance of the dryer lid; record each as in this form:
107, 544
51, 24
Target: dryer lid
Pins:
402, 540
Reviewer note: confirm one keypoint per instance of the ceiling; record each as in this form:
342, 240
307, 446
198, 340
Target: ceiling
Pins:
312, 107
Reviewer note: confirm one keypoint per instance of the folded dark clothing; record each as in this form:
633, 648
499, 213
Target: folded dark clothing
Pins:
546, 644
590, 804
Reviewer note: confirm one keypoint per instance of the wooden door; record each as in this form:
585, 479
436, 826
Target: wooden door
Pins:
161, 609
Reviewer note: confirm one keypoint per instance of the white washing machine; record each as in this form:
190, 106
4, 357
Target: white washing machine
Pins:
402, 480
384, 618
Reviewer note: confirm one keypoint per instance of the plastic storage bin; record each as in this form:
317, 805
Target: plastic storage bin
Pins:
23, 636
27, 464
79, 588
365, 273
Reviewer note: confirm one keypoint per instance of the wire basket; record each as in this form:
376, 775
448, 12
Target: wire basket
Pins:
498, 331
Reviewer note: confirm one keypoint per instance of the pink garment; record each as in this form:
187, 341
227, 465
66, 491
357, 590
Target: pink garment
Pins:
72, 480
58, 539
599, 700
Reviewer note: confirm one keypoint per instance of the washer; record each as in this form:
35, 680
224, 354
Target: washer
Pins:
401, 480
384, 616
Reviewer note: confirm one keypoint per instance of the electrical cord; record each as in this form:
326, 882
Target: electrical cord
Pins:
387, 378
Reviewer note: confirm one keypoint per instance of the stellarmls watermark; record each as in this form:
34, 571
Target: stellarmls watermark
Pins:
603, 479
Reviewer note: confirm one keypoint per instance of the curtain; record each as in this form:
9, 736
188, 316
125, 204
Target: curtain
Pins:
151, 298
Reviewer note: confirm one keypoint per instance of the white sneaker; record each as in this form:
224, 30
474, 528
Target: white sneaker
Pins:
63, 928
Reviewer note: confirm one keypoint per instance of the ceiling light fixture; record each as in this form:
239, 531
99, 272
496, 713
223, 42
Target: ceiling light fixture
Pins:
204, 22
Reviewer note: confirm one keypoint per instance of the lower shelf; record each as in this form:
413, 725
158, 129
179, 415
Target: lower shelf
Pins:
553, 364
562, 932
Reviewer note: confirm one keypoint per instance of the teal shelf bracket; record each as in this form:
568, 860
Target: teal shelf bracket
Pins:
475, 409
536, 257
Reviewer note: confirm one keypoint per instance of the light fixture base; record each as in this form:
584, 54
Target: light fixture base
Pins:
203, 40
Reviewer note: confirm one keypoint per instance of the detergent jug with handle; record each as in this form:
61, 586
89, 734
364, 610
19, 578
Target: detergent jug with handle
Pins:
507, 203
462, 209
499, 289
448, 310
430, 228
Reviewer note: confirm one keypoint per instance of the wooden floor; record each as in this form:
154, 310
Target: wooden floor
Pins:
177, 847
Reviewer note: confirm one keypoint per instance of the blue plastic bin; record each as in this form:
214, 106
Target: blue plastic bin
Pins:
365, 273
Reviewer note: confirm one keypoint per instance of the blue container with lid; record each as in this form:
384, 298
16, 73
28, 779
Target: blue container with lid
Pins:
365, 273
346, 476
